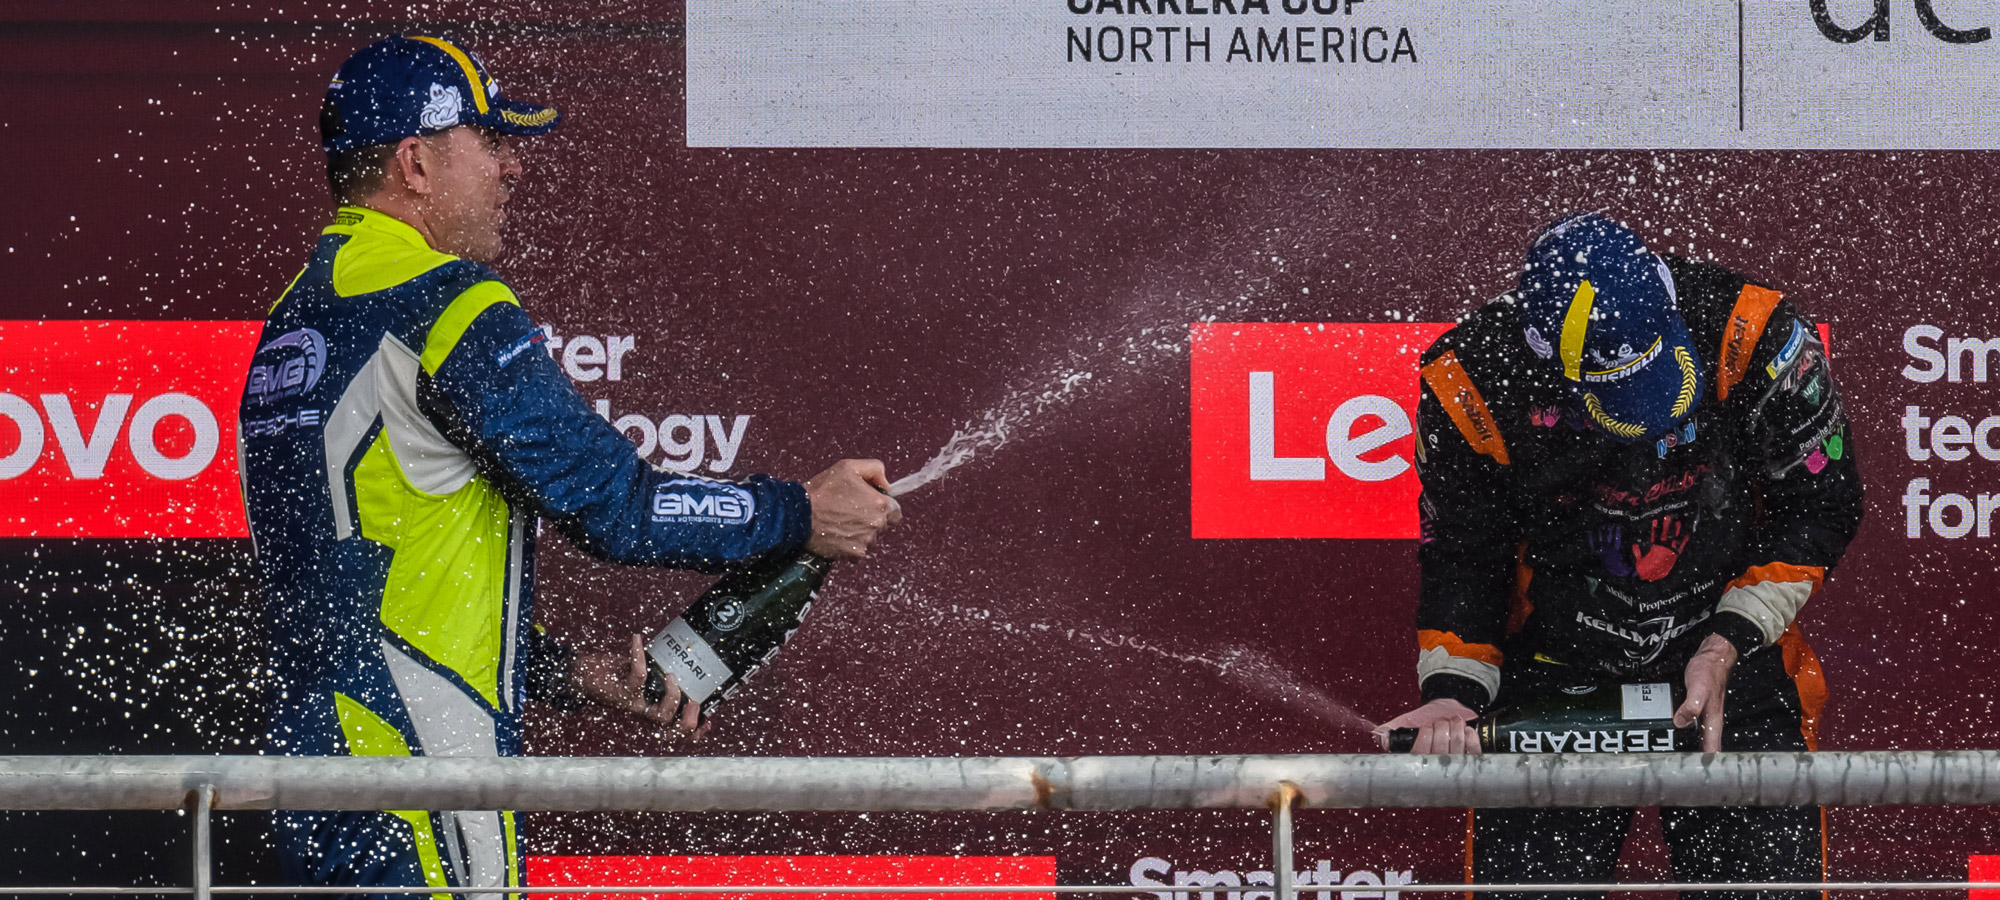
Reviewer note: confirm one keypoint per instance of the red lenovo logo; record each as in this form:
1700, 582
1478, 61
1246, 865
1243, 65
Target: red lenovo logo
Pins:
1305, 429
121, 429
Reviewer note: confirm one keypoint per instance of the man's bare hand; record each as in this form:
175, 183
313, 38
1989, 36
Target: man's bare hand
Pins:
618, 680
1707, 679
1443, 726
850, 508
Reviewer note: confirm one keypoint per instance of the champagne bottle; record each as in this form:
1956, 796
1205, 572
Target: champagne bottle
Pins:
733, 629
1589, 718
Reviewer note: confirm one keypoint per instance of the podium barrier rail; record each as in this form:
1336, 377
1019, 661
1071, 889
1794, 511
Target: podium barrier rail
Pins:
882, 784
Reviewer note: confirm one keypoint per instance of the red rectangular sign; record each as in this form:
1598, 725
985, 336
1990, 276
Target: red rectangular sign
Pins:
121, 429
1982, 868
806, 871
1305, 430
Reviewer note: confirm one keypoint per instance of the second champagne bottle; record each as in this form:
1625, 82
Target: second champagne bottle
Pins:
733, 629
1586, 718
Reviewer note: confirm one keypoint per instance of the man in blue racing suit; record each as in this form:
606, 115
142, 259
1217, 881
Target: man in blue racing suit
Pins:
402, 432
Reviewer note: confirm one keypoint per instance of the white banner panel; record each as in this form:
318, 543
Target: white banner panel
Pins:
1583, 74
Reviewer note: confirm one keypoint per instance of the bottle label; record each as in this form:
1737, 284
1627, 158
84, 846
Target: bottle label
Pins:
1637, 740
1648, 701
684, 655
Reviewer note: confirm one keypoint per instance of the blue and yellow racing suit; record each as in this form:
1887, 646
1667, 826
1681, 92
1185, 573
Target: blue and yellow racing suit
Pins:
402, 430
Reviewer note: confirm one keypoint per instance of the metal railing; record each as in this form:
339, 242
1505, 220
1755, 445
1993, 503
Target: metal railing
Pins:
202, 785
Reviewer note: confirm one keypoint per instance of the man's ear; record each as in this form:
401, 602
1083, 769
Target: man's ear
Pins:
412, 164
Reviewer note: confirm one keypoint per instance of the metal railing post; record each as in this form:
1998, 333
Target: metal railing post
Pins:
204, 800
1281, 841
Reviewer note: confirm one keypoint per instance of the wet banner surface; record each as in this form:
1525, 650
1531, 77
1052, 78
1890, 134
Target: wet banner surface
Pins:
1154, 399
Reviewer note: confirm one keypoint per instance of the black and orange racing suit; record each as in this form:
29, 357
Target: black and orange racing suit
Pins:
1553, 555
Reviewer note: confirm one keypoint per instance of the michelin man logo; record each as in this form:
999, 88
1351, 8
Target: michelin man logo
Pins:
1622, 363
443, 110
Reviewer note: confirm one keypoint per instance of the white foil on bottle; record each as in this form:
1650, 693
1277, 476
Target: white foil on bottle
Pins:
1648, 701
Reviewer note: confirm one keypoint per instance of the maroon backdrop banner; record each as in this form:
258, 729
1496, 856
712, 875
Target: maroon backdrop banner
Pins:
772, 310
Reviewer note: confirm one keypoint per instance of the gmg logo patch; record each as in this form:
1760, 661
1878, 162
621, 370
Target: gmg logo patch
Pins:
700, 501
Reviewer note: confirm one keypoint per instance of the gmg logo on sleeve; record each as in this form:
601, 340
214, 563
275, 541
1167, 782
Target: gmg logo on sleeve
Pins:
1305, 430
704, 502
121, 429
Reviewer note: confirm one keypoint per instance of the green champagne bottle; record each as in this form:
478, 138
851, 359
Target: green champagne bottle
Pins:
1587, 718
733, 629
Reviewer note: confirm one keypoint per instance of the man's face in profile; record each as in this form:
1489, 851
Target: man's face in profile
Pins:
475, 172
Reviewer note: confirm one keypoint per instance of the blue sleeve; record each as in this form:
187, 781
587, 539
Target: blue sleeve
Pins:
497, 394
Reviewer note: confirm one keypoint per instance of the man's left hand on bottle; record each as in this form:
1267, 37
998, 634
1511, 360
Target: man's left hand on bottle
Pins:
1707, 680
1443, 725
618, 680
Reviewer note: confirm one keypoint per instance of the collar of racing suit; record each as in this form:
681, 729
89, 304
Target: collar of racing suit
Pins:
360, 220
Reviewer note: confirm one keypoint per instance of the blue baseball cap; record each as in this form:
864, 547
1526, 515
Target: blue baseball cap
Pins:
1595, 302
402, 87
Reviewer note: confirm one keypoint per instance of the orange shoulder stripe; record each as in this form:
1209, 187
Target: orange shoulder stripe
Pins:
1467, 408
1739, 337
1431, 640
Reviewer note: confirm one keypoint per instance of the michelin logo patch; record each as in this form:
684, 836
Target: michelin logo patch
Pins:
699, 501
444, 108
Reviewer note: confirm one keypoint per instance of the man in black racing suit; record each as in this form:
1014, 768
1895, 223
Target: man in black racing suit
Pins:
1635, 468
